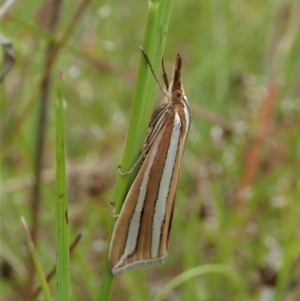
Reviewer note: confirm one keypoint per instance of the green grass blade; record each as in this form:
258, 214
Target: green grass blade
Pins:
154, 40
61, 209
142, 106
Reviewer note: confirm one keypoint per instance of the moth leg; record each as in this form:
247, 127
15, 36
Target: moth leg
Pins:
113, 205
141, 157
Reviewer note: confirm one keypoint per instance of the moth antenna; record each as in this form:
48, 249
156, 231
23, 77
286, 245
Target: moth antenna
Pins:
152, 71
165, 76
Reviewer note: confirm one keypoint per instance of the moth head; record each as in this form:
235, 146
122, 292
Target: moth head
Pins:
177, 95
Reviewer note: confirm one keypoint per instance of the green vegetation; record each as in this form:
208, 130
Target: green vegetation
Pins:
235, 232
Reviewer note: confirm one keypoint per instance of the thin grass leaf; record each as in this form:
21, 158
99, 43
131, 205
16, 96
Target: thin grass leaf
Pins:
198, 271
61, 207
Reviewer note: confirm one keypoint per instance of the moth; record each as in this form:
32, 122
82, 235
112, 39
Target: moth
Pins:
142, 231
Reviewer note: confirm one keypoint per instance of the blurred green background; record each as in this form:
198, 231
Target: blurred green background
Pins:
238, 202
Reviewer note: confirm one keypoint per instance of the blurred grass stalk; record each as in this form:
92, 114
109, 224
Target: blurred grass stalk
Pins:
154, 41
61, 207
291, 249
36, 261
